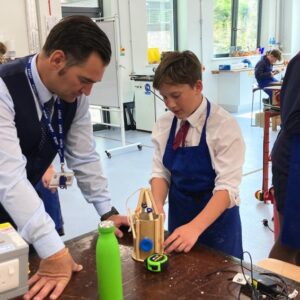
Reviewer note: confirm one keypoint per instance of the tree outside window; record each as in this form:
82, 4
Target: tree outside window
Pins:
236, 26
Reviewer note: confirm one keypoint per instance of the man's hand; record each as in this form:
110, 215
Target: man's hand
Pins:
52, 277
47, 177
182, 239
119, 221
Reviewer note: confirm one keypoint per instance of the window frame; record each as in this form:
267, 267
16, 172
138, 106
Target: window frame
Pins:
234, 26
92, 12
175, 25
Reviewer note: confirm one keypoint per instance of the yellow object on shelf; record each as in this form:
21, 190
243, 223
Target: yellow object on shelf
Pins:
153, 56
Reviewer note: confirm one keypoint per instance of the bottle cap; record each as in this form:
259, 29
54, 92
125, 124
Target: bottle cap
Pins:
106, 226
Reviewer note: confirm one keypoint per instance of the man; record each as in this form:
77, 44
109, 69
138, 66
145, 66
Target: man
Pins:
264, 72
285, 168
73, 58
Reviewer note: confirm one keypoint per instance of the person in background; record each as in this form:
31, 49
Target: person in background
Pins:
44, 110
2, 53
197, 162
285, 168
264, 72
50, 199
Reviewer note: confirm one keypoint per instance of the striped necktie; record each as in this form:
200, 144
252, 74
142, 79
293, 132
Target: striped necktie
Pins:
181, 135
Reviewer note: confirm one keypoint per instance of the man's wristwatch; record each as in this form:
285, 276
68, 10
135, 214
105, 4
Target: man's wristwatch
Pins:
112, 212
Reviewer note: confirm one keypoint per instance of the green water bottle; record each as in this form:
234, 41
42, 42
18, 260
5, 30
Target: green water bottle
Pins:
108, 263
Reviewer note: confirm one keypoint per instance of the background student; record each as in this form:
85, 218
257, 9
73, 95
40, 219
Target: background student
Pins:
264, 72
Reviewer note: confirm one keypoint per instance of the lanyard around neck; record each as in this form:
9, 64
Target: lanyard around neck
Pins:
58, 139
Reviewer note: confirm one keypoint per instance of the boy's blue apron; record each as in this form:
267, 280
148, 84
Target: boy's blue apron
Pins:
290, 234
192, 183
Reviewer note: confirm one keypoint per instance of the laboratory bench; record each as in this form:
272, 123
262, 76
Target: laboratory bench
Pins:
200, 274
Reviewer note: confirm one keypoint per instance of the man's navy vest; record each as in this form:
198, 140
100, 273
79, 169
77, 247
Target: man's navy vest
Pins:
27, 122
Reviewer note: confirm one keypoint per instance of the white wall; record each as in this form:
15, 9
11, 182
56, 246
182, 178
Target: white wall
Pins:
45, 21
13, 30
13, 22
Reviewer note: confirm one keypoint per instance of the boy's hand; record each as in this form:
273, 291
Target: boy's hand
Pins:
182, 239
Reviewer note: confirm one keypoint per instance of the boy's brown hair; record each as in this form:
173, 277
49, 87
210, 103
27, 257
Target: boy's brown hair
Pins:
276, 53
178, 68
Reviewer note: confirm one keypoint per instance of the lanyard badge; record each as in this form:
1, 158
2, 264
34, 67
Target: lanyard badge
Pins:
62, 179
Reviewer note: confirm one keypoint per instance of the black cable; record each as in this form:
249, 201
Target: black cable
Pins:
282, 283
253, 290
281, 294
266, 224
159, 97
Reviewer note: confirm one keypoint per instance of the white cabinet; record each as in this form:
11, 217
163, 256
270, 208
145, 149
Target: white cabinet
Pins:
235, 90
148, 107
144, 106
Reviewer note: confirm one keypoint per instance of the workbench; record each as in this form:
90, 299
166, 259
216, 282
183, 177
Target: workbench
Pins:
200, 274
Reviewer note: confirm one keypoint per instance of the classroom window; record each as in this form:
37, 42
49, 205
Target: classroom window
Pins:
90, 8
236, 26
161, 24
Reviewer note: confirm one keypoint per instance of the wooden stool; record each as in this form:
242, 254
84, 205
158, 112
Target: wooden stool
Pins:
281, 268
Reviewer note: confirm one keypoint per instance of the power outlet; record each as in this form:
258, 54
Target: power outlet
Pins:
9, 275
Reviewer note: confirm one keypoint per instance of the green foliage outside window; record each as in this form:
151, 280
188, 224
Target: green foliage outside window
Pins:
235, 26
222, 26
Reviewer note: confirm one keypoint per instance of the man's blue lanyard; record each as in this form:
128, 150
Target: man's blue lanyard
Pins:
58, 140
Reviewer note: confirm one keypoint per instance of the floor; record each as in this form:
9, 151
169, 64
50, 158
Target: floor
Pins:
129, 169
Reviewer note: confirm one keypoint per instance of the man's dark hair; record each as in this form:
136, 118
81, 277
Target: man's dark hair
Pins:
78, 37
178, 68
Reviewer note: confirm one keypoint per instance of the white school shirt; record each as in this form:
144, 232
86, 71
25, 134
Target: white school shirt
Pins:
225, 143
19, 197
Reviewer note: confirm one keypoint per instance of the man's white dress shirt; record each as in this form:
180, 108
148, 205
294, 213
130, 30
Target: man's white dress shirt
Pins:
18, 196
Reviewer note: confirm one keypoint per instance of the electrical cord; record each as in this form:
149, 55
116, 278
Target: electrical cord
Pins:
156, 95
266, 224
254, 295
280, 290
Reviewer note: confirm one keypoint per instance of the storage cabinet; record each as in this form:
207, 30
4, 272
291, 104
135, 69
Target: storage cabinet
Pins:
148, 107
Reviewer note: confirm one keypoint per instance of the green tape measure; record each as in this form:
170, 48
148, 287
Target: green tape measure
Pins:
156, 262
